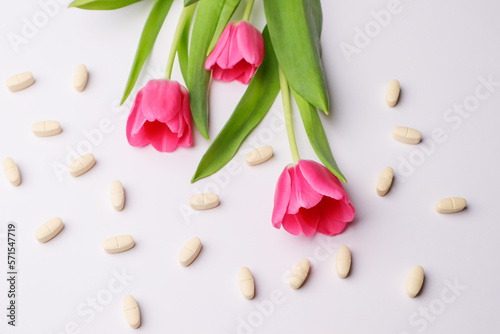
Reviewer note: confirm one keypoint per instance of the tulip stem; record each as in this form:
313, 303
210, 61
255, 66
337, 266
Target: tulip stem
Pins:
287, 108
248, 10
186, 12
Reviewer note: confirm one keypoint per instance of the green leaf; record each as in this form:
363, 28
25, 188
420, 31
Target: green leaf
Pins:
149, 33
294, 26
189, 2
253, 106
101, 4
317, 136
227, 12
198, 79
182, 51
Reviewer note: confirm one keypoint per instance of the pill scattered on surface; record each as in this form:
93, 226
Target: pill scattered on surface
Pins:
247, 284
11, 172
117, 195
343, 262
46, 128
393, 91
190, 251
49, 230
80, 78
415, 281
299, 274
204, 201
20, 81
259, 155
132, 312
82, 165
384, 182
451, 205
118, 244
406, 135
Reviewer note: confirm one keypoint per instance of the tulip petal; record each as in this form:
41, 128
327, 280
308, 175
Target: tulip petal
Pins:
303, 195
136, 135
281, 197
161, 100
241, 70
334, 215
291, 225
161, 137
186, 138
308, 220
250, 43
322, 180
219, 48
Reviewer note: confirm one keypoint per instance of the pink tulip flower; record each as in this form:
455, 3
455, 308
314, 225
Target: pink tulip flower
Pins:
161, 116
309, 199
238, 53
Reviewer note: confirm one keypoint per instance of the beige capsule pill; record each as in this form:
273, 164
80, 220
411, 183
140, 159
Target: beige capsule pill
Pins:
300, 273
117, 195
415, 281
11, 172
451, 205
132, 312
118, 244
259, 155
49, 230
384, 182
247, 284
20, 81
343, 262
190, 252
46, 128
406, 135
80, 78
204, 201
393, 91
82, 165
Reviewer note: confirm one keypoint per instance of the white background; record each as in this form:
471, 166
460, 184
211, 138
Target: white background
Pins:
437, 50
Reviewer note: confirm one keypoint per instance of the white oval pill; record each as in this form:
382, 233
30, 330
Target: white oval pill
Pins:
451, 205
20, 81
406, 135
204, 201
247, 284
384, 182
190, 252
343, 262
299, 274
11, 172
259, 155
117, 195
393, 91
118, 244
80, 78
82, 165
132, 312
46, 128
49, 230
415, 281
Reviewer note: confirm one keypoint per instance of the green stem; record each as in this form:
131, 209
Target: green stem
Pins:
287, 108
248, 10
186, 12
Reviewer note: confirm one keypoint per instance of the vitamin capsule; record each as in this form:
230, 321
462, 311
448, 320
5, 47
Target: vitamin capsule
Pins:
11, 172
82, 165
343, 262
204, 201
46, 128
117, 195
132, 312
247, 284
451, 205
259, 155
190, 252
393, 91
80, 78
49, 230
20, 81
384, 182
299, 274
415, 281
118, 244
406, 135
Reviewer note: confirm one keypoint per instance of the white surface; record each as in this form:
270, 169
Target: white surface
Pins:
437, 52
